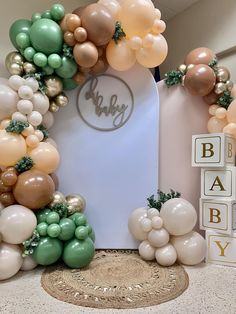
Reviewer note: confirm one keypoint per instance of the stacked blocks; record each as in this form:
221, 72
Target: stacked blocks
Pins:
215, 154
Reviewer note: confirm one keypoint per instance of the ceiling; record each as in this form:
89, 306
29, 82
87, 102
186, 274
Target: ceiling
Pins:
170, 8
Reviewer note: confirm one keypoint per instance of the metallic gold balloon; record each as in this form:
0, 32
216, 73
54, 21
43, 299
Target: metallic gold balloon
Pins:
58, 197
182, 68
14, 57
29, 68
61, 100
222, 74
54, 86
220, 88
190, 66
53, 107
76, 203
15, 69
229, 85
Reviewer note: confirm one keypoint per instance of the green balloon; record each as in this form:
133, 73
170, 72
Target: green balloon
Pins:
54, 61
46, 14
73, 216
53, 230
22, 40
42, 215
69, 84
40, 59
29, 54
67, 69
46, 36
53, 218
81, 233
19, 26
81, 220
92, 236
57, 12
42, 229
78, 253
67, 229
48, 251
48, 70
35, 17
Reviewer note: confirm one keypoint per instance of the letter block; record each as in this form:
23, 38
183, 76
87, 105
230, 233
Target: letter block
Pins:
221, 248
218, 215
218, 183
213, 150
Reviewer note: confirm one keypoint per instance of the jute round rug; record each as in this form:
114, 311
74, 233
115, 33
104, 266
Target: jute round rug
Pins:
116, 279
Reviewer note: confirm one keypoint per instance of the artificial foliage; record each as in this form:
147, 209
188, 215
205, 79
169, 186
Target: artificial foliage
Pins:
44, 130
31, 243
225, 99
60, 208
161, 198
119, 33
24, 164
16, 126
213, 64
173, 77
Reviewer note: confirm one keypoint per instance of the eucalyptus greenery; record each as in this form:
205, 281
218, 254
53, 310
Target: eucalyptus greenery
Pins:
173, 77
24, 164
161, 198
119, 33
17, 126
225, 99
31, 244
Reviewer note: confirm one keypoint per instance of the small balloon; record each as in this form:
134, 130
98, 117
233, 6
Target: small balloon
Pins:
158, 238
80, 34
85, 54
134, 223
215, 125
67, 69
28, 263
211, 98
230, 129
72, 22
146, 251
222, 74
69, 38
19, 26
76, 203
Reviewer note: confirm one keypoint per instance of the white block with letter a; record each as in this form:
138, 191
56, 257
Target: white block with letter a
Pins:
218, 215
221, 248
213, 150
217, 182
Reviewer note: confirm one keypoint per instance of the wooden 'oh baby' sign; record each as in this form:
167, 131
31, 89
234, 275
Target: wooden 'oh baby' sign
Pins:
108, 139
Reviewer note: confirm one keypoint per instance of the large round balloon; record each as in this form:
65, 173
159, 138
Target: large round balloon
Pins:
10, 260
231, 112
48, 251
200, 80
99, 24
34, 189
45, 157
12, 148
19, 26
137, 17
46, 36
134, 223
112, 5
153, 56
166, 255
190, 248
17, 224
200, 55
78, 253
8, 101
179, 216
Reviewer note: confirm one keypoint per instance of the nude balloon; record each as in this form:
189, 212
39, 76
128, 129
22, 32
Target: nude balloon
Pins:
45, 157
112, 5
153, 56
17, 224
85, 54
200, 55
8, 100
134, 223
10, 260
231, 112
120, 56
146, 251
14, 148
179, 216
28, 263
166, 255
215, 125
190, 248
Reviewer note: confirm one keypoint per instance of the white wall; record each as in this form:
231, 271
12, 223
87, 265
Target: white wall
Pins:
210, 23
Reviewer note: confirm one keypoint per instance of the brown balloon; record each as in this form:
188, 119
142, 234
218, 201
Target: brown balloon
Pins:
99, 24
9, 176
55, 180
85, 54
80, 34
100, 67
200, 55
211, 98
63, 23
69, 39
200, 80
79, 10
79, 77
4, 188
7, 199
34, 189
72, 22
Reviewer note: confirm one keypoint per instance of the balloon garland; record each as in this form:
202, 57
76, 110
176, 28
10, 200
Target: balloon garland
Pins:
165, 228
202, 76
56, 52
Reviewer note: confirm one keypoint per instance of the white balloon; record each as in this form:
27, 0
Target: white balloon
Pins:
25, 106
158, 238
17, 224
146, 224
19, 117
146, 251
134, 223
33, 83
15, 82
48, 120
8, 101
152, 212
40, 102
190, 248
179, 216
10, 260
25, 92
157, 222
35, 118
28, 263
166, 255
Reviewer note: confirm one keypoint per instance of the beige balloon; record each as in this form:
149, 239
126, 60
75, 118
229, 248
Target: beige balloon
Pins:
8, 100
146, 251
14, 148
190, 248
28, 263
10, 260
112, 5
158, 238
166, 255
215, 125
17, 224
179, 216
45, 157
231, 112
134, 223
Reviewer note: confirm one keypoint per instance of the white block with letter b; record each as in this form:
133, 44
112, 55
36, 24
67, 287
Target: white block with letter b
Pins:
213, 150
221, 248
218, 215
218, 183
